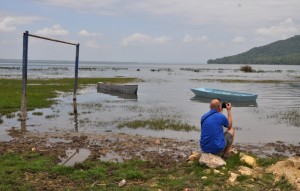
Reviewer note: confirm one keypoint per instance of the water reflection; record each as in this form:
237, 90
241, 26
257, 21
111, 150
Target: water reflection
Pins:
23, 125
74, 156
233, 103
75, 115
120, 95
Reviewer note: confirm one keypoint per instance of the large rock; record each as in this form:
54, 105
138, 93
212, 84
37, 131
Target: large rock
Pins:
246, 159
210, 160
289, 168
232, 177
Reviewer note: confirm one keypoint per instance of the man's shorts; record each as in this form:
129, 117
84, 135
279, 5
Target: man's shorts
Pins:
228, 138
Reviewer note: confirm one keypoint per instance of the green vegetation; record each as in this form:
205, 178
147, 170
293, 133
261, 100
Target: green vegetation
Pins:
158, 124
41, 91
37, 113
247, 68
279, 52
34, 171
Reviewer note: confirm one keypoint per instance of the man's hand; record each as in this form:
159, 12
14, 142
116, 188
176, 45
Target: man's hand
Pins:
228, 106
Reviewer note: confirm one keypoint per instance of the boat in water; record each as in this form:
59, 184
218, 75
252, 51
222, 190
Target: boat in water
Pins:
119, 88
233, 103
224, 94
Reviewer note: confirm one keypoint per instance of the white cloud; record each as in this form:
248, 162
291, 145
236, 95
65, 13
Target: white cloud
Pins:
92, 44
55, 30
239, 39
233, 13
138, 38
102, 7
187, 38
198, 39
88, 34
9, 23
283, 29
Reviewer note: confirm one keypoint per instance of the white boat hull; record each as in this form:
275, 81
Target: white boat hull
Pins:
224, 95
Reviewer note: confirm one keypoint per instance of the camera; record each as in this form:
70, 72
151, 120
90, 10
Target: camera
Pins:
224, 105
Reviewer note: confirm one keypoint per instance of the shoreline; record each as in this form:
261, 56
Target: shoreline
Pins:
119, 147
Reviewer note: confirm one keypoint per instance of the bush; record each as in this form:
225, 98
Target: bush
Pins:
247, 68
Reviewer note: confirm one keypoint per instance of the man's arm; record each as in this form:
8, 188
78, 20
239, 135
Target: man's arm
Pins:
229, 117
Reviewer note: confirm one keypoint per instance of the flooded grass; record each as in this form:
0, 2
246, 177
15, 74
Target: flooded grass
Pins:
244, 81
291, 117
51, 116
35, 171
37, 113
158, 124
40, 92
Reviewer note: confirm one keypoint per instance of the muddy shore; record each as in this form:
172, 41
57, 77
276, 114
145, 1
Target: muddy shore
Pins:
120, 147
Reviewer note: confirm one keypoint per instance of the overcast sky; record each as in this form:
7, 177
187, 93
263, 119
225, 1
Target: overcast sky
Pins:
179, 31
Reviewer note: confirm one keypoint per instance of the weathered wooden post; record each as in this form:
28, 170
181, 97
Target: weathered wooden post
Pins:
24, 78
76, 79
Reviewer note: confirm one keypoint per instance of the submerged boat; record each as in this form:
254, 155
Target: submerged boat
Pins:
224, 94
119, 88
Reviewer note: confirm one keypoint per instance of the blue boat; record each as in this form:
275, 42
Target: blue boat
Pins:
224, 94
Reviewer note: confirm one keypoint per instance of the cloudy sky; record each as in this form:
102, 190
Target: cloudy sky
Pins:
177, 31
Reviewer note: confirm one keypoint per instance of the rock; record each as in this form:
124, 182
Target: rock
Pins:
207, 171
233, 150
232, 177
288, 168
243, 170
157, 142
248, 160
212, 161
216, 171
194, 156
122, 183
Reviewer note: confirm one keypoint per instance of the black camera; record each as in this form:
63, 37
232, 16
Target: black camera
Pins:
224, 105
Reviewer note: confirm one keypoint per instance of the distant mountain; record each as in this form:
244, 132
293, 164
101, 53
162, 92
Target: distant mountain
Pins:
285, 52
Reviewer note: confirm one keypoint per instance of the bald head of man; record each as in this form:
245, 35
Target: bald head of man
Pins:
215, 104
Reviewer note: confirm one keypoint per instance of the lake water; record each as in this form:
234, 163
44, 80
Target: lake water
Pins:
165, 93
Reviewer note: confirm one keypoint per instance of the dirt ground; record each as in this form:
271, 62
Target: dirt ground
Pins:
119, 147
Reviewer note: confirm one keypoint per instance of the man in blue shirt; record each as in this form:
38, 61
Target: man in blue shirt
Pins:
213, 139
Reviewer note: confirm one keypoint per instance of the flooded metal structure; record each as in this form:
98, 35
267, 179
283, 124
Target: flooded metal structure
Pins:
24, 73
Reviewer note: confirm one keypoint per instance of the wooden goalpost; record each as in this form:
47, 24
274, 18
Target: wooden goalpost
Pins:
24, 72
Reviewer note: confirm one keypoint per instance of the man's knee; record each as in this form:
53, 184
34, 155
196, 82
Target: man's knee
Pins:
231, 131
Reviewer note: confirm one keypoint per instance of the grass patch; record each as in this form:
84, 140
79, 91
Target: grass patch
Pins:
33, 171
41, 91
158, 124
264, 162
37, 113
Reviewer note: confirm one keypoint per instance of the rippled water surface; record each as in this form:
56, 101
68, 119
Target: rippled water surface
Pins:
165, 93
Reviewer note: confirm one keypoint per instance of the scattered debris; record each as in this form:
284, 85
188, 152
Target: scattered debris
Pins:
122, 183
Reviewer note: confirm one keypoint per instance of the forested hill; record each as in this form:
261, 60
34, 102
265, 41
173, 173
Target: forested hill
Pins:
286, 52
